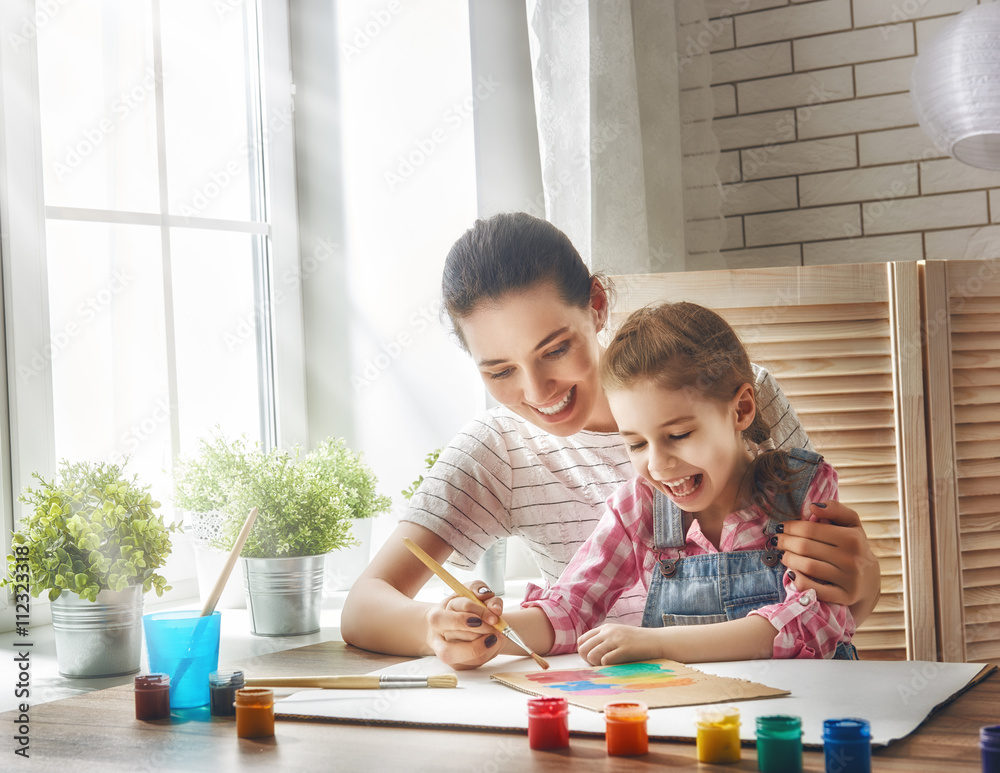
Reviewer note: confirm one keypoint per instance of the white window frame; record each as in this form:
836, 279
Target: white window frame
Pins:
27, 438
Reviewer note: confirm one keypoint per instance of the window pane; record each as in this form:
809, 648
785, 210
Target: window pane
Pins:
108, 347
97, 100
216, 334
205, 101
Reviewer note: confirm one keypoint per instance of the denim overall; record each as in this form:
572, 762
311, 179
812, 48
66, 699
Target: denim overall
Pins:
716, 587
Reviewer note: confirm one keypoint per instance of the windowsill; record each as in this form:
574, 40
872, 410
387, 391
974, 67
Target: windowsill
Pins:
236, 643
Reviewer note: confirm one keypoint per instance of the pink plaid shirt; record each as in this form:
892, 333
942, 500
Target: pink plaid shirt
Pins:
621, 549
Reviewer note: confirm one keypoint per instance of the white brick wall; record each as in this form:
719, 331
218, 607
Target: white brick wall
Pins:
822, 158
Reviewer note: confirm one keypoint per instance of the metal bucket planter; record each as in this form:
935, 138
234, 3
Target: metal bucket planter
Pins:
284, 595
98, 638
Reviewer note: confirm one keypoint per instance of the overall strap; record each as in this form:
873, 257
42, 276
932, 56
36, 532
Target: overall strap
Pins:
808, 463
670, 524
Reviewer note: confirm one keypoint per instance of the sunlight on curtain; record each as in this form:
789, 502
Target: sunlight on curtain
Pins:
624, 111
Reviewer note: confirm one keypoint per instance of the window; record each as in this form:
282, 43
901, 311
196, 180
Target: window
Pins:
142, 144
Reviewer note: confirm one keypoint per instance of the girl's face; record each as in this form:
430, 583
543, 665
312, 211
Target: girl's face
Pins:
538, 356
687, 446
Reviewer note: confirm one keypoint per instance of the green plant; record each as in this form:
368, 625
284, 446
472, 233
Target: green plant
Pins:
203, 482
88, 530
305, 502
429, 460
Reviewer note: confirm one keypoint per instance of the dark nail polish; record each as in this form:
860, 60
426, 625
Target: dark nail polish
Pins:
791, 575
473, 622
820, 504
772, 541
483, 590
780, 528
490, 640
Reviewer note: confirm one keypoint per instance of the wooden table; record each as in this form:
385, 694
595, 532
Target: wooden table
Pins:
97, 733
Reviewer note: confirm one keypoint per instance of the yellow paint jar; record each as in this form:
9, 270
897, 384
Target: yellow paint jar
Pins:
718, 734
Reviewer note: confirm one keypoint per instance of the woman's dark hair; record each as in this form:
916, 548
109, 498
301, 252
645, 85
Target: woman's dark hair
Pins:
680, 346
505, 253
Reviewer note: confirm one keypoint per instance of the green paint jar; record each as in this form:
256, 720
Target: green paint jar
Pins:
779, 744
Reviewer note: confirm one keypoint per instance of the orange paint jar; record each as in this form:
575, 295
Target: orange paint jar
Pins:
255, 712
625, 729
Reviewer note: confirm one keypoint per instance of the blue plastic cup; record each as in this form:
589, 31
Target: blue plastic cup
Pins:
186, 646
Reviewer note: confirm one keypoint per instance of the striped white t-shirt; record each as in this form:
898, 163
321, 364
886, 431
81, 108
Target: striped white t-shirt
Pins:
503, 476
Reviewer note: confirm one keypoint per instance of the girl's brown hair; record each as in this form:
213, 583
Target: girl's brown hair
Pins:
681, 346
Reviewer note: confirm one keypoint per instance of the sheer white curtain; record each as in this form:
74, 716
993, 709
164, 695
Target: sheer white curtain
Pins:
624, 111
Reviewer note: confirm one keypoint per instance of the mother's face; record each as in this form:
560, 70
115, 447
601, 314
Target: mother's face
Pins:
538, 356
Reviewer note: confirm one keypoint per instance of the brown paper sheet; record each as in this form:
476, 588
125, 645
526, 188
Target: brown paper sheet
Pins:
657, 683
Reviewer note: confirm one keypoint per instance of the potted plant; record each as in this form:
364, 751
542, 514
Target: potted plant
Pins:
202, 483
306, 504
92, 540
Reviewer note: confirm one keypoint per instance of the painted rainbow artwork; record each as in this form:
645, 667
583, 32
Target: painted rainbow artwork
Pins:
611, 680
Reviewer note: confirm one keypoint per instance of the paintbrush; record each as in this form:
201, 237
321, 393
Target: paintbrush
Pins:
363, 682
501, 625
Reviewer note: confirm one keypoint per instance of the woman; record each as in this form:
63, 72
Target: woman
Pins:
541, 466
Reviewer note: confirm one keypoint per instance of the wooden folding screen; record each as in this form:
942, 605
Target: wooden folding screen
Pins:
844, 342
961, 310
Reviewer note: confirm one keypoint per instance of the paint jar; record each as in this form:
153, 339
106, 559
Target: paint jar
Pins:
989, 747
718, 734
222, 687
152, 696
254, 712
548, 723
779, 744
625, 728
847, 745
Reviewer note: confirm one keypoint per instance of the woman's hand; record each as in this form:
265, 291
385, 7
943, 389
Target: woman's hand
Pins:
612, 643
460, 632
833, 558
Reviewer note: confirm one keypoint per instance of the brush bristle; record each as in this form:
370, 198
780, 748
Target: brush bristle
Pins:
442, 680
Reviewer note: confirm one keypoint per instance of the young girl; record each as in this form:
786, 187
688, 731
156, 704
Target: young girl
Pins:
697, 526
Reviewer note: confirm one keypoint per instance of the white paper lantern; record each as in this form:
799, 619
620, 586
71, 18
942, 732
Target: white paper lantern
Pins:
956, 87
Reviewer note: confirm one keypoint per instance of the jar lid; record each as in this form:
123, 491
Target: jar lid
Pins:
846, 729
255, 696
149, 681
548, 706
718, 715
625, 710
226, 679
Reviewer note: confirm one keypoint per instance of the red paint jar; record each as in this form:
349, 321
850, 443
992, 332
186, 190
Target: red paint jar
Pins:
548, 723
625, 729
152, 696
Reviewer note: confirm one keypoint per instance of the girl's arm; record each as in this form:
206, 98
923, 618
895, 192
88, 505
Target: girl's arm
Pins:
749, 638
834, 559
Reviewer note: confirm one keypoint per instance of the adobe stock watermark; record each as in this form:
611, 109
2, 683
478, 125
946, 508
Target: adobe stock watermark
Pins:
93, 137
220, 179
391, 350
363, 34
422, 148
86, 313
45, 12
290, 281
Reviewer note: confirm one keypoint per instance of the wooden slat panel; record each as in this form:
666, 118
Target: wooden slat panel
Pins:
973, 341
978, 486
978, 559
980, 652
831, 312
778, 351
984, 430
976, 377
984, 303
976, 323
980, 505
980, 449
981, 540
836, 385
835, 422
878, 401
840, 364
972, 414
882, 437
980, 578
889, 601
976, 359
861, 476
988, 521
977, 395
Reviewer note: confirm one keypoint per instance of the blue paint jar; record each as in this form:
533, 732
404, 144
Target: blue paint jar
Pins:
989, 748
847, 745
779, 744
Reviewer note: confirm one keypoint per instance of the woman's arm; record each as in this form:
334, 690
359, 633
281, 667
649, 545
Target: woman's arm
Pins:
750, 638
834, 559
381, 615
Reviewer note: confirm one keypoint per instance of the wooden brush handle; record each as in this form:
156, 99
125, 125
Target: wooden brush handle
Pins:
361, 682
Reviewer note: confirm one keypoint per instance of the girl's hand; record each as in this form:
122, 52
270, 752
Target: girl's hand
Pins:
612, 643
460, 632
833, 558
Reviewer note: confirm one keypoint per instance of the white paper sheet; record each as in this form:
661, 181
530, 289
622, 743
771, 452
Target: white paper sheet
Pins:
894, 696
